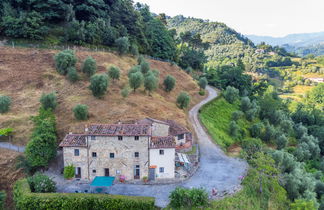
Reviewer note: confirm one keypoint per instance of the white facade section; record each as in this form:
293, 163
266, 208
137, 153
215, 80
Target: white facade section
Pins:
165, 161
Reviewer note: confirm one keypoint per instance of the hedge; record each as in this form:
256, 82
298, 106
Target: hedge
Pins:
25, 199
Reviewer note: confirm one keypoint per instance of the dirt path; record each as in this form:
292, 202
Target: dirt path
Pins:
216, 169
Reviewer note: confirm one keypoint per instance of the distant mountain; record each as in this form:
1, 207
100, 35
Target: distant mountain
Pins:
223, 41
296, 40
301, 44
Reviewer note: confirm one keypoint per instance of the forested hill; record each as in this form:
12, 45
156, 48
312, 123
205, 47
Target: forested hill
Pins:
223, 41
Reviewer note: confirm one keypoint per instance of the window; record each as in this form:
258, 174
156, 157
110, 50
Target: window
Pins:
120, 138
76, 152
136, 154
94, 171
93, 137
181, 136
94, 154
161, 169
161, 152
112, 155
136, 138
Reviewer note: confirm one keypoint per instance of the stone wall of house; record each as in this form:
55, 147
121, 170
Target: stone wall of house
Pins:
180, 141
165, 160
124, 161
77, 161
159, 129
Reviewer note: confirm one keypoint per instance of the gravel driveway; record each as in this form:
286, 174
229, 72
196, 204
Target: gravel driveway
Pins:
216, 169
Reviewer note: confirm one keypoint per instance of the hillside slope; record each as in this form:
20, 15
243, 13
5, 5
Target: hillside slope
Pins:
27, 73
223, 41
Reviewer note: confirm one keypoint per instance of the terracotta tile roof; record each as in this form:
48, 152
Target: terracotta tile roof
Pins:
74, 140
150, 121
175, 128
119, 129
158, 142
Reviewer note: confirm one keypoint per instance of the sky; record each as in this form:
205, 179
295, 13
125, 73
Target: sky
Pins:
259, 17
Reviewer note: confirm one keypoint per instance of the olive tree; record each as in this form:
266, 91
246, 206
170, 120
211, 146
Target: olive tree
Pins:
64, 60
99, 84
114, 73
89, 66
81, 112
49, 101
150, 82
202, 83
135, 80
169, 83
231, 94
183, 100
122, 45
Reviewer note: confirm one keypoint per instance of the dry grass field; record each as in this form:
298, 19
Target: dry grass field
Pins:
27, 73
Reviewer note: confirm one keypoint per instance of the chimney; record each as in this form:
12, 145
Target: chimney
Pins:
86, 128
70, 133
119, 122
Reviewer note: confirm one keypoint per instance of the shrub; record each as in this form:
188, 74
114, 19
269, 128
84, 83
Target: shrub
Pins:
99, 85
169, 83
5, 102
231, 94
140, 59
72, 75
89, 66
41, 183
134, 69
114, 73
256, 130
125, 92
189, 70
69, 172
24, 199
145, 67
202, 83
188, 198
281, 142
64, 60
251, 114
237, 115
48, 101
183, 100
136, 80
150, 83
245, 104
81, 112
134, 50
202, 92
122, 45
234, 129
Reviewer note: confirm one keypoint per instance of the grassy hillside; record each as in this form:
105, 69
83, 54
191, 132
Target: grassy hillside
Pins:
27, 73
216, 117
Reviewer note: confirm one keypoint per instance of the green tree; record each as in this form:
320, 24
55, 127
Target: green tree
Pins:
40, 183
64, 60
234, 129
69, 172
89, 66
202, 82
316, 96
269, 132
81, 112
236, 115
169, 83
231, 94
150, 82
281, 141
183, 100
99, 84
245, 104
134, 69
256, 130
5, 102
72, 75
114, 73
136, 80
122, 45
145, 67
134, 50
49, 101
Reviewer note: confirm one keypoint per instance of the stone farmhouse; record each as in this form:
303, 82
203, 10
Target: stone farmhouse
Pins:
143, 148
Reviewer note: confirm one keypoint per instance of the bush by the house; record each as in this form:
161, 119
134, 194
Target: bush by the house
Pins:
72, 75
41, 183
25, 199
5, 103
169, 83
114, 73
99, 85
64, 60
122, 45
188, 198
48, 101
89, 66
69, 172
183, 100
231, 94
81, 112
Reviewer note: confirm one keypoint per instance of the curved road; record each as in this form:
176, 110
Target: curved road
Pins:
216, 169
